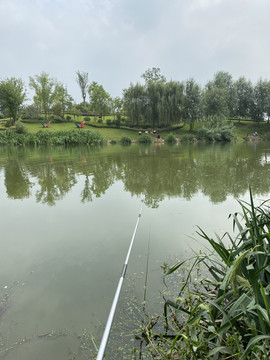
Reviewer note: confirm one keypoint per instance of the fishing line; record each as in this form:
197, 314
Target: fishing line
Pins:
108, 326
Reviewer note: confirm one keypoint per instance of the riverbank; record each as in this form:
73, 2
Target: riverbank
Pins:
243, 130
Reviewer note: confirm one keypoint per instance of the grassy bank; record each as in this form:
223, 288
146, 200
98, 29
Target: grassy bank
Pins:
242, 130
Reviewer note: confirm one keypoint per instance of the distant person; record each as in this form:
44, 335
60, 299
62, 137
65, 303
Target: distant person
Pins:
158, 137
140, 133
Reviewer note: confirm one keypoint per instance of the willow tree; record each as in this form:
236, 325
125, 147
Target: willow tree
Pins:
134, 103
164, 101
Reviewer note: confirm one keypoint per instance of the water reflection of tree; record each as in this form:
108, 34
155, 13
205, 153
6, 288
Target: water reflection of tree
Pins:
55, 181
17, 180
156, 173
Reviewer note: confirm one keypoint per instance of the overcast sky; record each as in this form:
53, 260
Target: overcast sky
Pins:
116, 41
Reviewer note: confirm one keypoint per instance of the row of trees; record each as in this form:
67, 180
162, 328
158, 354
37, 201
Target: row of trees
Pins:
51, 97
159, 102
156, 103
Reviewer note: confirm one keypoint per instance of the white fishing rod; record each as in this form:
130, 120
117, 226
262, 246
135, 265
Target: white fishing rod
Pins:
108, 326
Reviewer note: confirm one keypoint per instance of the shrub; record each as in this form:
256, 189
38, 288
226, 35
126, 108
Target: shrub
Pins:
68, 118
116, 122
216, 132
56, 118
171, 139
86, 118
72, 137
20, 128
187, 138
145, 139
125, 140
109, 122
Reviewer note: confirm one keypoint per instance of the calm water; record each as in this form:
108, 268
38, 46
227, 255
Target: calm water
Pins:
67, 217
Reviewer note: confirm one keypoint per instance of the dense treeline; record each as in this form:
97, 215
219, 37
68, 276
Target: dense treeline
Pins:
156, 103
160, 103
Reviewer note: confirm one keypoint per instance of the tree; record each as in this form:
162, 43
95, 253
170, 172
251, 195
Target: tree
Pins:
62, 101
44, 89
260, 100
191, 109
99, 99
153, 75
134, 103
82, 81
117, 105
244, 94
12, 96
220, 96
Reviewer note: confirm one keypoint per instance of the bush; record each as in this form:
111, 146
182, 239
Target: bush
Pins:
68, 118
109, 122
187, 138
20, 128
116, 122
56, 119
171, 139
219, 132
86, 118
72, 137
125, 140
145, 139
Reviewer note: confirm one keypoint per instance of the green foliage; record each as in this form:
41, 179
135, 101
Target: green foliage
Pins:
125, 140
99, 99
155, 103
43, 86
68, 118
12, 96
216, 131
20, 128
109, 122
56, 118
145, 139
116, 123
222, 308
187, 138
171, 139
86, 118
71, 137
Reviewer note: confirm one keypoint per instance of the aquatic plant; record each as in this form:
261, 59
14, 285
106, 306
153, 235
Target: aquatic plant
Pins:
224, 312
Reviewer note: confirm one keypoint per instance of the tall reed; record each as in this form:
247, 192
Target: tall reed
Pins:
225, 313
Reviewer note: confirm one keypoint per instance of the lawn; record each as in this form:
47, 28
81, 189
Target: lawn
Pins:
242, 129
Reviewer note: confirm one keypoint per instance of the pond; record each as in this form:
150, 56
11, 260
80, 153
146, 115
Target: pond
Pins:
67, 218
